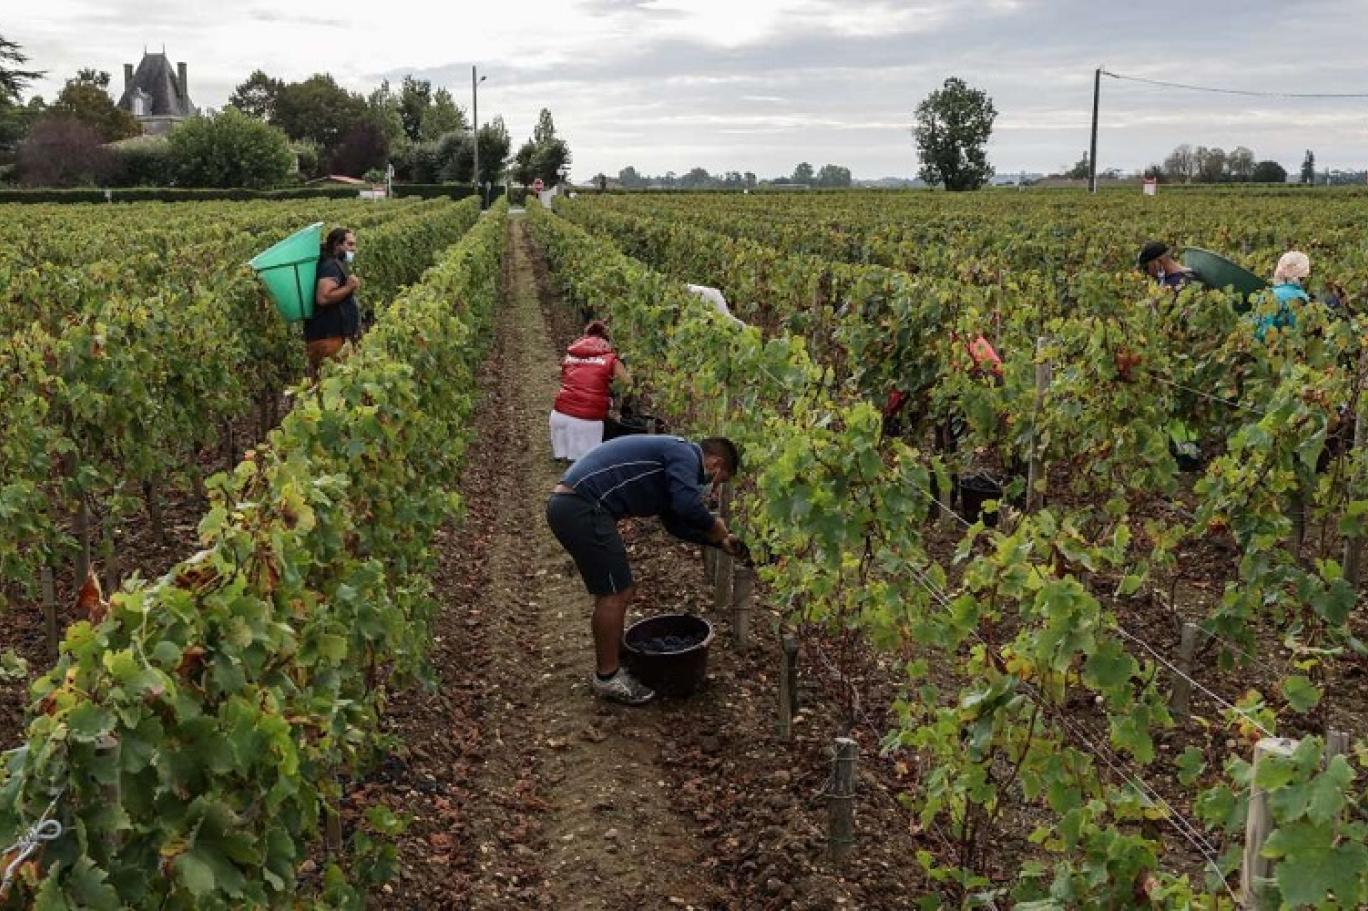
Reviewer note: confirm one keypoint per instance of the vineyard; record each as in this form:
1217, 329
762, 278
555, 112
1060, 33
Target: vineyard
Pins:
1032, 659
1088, 618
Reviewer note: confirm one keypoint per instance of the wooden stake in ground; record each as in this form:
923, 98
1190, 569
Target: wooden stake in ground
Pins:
841, 802
1256, 880
788, 685
743, 597
49, 587
1043, 374
82, 541
1353, 547
1181, 697
723, 562
1336, 744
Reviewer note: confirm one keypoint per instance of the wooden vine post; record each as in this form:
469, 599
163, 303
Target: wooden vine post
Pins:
48, 583
722, 562
1353, 547
1180, 698
1043, 375
1336, 744
1256, 881
788, 685
841, 801
743, 599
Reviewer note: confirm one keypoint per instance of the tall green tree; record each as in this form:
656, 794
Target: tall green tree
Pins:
415, 96
441, 116
384, 110
833, 175
803, 173
230, 149
319, 110
545, 155
953, 125
14, 116
84, 98
256, 95
1308, 168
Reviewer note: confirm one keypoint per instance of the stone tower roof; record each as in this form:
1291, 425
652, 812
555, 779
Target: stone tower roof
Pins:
164, 91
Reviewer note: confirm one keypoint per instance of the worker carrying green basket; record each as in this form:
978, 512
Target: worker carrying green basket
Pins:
336, 319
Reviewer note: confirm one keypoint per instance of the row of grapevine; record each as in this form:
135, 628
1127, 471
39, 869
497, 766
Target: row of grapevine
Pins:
190, 736
119, 396
1024, 698
977, 238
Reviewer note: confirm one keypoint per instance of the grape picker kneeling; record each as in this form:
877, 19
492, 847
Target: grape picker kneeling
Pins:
642, 475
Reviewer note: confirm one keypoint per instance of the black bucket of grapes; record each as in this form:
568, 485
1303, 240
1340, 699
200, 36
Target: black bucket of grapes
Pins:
974, 491
669, 653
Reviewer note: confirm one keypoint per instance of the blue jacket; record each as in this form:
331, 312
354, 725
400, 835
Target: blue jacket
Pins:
647, 475
1284, 318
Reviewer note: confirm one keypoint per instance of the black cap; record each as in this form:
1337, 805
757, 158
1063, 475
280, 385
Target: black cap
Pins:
1150, 252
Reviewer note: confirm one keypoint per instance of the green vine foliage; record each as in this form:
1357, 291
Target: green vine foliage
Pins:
125, 380
194, 735
1047, 707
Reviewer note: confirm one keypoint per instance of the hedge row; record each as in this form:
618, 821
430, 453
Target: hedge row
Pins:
169, 194
193, 729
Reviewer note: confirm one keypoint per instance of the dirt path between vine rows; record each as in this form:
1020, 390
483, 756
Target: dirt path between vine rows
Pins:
526, 792
562, 799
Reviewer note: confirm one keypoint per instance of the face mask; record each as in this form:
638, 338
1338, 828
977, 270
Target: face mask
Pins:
350, 255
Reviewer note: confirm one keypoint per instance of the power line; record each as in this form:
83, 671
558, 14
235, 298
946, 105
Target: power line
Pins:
1243, 92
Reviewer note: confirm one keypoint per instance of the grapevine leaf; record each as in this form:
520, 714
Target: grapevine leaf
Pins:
1301, 694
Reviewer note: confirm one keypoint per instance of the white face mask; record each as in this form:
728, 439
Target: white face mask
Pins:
350, 255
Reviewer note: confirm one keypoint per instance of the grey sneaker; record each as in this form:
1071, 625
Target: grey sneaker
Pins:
623, 687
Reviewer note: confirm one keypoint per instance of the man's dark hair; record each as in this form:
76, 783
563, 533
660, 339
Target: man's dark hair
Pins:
726, 450
331, 242
1150, 252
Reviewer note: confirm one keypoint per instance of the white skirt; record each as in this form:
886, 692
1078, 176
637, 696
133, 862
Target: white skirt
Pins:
571, 437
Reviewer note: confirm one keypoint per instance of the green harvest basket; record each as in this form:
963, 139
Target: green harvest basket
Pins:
290, 271
1218, 272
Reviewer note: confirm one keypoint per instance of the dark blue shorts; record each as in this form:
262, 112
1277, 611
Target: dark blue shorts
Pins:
589, 534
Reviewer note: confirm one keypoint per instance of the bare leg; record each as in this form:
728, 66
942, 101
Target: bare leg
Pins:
609, 614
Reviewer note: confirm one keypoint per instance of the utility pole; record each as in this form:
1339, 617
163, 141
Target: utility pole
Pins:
1092, 152
475, 130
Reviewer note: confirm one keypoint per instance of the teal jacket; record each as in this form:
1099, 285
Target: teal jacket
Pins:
1283, 317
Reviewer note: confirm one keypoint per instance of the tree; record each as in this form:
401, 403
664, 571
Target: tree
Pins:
750, 179
440, 117
318, 109
14, 116
802, 173
1269, 172
953, 125
415, 95
1308, 168
256, 95
14, 80
62, 151
1240, 163
696, 179
363, 147
1181, 164
85, 99
494, 145
545, 155
384, 111
545, 130
833, 175
630, 179
1211, 164
1080, 170
230, 149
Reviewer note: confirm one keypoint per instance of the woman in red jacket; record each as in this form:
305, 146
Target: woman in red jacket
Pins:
587, 373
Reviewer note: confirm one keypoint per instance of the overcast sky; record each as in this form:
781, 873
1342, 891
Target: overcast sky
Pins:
761, 84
